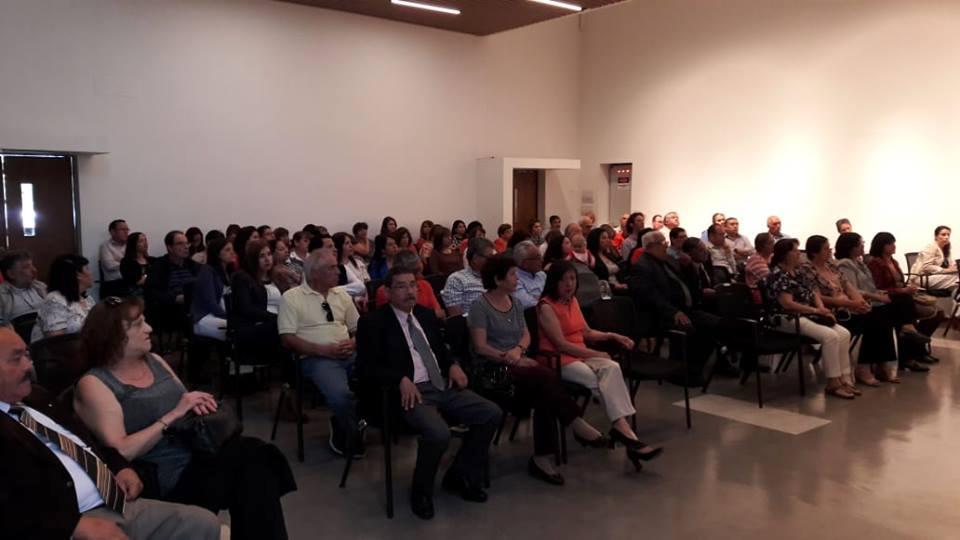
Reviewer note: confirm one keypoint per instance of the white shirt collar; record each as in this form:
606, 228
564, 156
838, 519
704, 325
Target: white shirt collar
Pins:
4, 407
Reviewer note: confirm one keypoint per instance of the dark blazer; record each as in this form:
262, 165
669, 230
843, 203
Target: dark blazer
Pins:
37, 497
160, 300
207, 292
654, 291
248, 301
382, 350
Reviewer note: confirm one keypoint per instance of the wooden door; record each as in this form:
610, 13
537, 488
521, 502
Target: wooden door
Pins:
40, 215
525, 197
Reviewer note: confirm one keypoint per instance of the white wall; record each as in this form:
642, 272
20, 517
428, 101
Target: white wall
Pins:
813, 110
266, 112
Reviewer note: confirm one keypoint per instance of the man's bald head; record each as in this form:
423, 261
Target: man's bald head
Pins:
16, 368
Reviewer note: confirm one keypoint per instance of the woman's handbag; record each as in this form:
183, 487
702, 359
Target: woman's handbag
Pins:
208, 433
494, 378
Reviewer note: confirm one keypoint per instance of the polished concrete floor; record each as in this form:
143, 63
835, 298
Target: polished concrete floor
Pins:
883, 466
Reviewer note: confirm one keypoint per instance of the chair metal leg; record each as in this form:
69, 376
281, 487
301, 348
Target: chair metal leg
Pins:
299, 383
513, 432
953, 316
387, 458
276, 415
803, 383
503, 422
756, 368
348, 460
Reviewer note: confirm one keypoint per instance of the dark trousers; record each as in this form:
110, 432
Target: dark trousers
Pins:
247, 477
430, 419
701, 342
539, 388
877, 344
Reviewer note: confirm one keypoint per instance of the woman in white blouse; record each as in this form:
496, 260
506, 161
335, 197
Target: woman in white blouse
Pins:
356, 270
67, 304
933, 268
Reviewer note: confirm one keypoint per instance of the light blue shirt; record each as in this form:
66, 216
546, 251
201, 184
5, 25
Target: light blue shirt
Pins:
88, 497
529, 288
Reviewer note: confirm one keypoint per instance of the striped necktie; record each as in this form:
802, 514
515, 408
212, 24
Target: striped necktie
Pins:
97, 470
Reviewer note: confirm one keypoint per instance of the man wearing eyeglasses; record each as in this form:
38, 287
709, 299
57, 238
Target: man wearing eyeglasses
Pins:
317, 320
530, 276
464, 287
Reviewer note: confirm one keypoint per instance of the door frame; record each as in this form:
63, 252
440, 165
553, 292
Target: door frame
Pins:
495, 183
74, 190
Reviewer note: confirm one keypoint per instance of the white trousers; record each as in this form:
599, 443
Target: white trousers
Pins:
211, 326
834, 344
604, 378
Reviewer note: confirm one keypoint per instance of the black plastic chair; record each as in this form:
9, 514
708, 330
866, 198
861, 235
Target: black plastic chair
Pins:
619, 315
372, 287
924, 279
58, 361
24, 324
749, 331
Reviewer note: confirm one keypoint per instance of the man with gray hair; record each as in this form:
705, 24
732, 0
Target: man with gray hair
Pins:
530, 276
21, 292
658, 289
464, 287
317, 321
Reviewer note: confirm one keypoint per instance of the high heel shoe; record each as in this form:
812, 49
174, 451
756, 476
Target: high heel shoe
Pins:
555, 479
634, 458
599, 442
634, 447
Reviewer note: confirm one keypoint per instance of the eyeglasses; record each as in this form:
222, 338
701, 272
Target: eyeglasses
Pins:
326, 307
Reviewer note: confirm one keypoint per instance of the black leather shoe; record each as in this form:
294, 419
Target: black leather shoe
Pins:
913, 365
455, 483
555, 479
422, 505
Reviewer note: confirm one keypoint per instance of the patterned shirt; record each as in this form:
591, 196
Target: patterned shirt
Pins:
802, 290
823, 285
462, 289
529, 288
56, 314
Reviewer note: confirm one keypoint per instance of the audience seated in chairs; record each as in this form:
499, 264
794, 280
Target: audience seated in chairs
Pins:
317, 321
563, 330
458, 233
844, 226
661, 294
774, 225
742, 248
405, 240
555, 223
385, 249
135, 264
388, 226
445, 258
232, 231
758, 264
558, 249
298, 253
606, 258
464, 287
255, 303
355, 270
474, 230
208, 309
899, 307
166, 279
266, 233
878, 353
678, 235
195, 238
504, 232
794, 293
721, 254
530, 275
246, 234
536, 232
21, 293
500, 338
699, 273
111, 253
671, 220
200, 257
426, 296
131, 399
580, 253
58, 482
426, 235
716, 219
67, 303
361, 242
282, 275
933, 268
401, 347
656, 222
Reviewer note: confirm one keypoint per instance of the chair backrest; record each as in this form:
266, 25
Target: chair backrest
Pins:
457, 340
911, 258
617, 314
24, 324
372, 287
437, 281
588, 288
58, 361
533, 326
735, 300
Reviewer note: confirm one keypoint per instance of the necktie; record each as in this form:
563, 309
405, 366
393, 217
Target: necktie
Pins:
94, 466
426, 354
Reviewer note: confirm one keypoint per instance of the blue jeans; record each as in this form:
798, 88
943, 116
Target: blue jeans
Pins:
330, 376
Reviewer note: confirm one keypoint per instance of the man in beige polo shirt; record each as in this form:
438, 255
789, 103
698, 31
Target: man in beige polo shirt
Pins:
317, 320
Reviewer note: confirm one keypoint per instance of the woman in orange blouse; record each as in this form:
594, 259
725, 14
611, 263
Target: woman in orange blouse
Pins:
563, 330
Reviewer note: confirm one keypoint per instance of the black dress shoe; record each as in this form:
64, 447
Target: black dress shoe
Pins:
913, 365
422, 505
555, 479
456, 483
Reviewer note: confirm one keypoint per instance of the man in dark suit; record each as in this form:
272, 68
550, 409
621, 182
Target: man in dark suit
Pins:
660, 290
400, 346
56, 485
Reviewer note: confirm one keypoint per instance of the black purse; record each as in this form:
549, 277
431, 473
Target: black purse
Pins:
494, 378
208, 433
